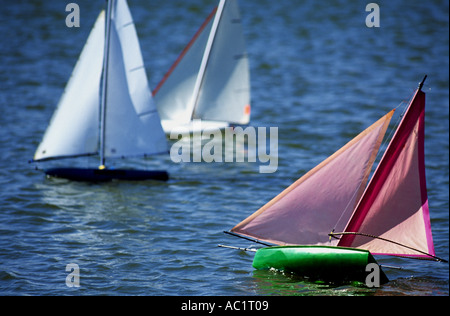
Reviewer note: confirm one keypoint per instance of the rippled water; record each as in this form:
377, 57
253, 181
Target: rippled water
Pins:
317, 72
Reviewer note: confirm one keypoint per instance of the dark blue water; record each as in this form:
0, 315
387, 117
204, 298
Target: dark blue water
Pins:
318, 73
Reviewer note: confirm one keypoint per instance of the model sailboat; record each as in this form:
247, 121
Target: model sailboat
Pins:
388, 217
106, 109
210, 79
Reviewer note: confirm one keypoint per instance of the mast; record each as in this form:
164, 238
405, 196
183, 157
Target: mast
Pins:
209, 44
105, 84
421, 83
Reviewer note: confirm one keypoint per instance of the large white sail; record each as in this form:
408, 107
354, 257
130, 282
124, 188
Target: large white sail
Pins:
225, 90
132, 123
73, 130
210, 80
175, 90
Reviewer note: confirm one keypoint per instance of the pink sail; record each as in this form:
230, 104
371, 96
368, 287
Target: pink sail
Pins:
307, 210
394, 207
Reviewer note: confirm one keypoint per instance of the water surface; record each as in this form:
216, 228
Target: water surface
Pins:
318, 74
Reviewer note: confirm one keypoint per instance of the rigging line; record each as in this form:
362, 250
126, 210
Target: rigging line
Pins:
397, 123
184, 52
332, 234
384, 144
247, 238
238, 248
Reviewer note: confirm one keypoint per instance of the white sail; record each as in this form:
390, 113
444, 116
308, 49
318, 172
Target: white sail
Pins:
132, 123
225, 90
210, 80
73, 130
175, 90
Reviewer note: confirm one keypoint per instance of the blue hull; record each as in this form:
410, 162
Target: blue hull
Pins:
104, 175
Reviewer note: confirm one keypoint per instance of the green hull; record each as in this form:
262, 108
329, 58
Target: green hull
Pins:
325, 263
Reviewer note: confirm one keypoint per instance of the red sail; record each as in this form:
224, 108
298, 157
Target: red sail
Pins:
394, 206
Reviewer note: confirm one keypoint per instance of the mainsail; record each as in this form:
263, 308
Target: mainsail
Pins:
306, 211
132, 123
128, 123
392, 217
210, 79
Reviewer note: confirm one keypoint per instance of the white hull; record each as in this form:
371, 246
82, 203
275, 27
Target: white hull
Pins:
176, 127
